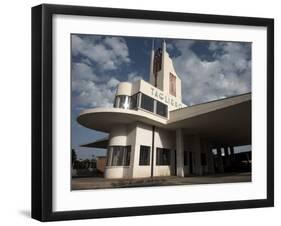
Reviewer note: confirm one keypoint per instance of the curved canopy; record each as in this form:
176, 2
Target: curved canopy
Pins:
227, 120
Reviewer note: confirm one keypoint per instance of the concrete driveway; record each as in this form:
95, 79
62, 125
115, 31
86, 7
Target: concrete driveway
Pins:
102, 183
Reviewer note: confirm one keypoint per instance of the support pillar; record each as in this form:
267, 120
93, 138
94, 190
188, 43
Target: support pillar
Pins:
180, 153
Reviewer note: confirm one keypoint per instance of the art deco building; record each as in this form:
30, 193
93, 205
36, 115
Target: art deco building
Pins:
153, 133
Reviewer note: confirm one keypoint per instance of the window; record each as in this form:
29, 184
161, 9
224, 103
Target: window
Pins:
134, 101
108, 157
118, 156
144, 156
127, 156
172, 84
161, 109
203, 159
116, 102
147, 103
163, 156
124, 102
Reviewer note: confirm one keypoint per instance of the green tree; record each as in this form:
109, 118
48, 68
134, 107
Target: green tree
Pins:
73, 156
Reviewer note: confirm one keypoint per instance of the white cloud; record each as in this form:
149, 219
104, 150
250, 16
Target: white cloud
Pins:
91, 90
227, 74
91, 94
94, 91
108, 53
96, 56
134, 76
82, 71
113, 82
119, 47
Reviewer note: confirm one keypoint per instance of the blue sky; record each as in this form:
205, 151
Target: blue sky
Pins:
209, 70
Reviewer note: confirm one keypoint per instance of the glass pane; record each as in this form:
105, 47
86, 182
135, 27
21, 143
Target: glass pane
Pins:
109, 154
116, 102
163, 156
133, 102
127, 155
117, 156
124, 102
147, 103
161, 109
144, 155
158, 154
166, 157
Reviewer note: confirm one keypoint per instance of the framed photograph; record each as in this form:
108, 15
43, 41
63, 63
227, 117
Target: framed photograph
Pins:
146, 112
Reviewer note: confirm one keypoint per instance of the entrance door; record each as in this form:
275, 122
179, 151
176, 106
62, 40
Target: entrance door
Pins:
190, 163
175, 157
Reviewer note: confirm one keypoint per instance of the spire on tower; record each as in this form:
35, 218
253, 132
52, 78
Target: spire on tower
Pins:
151, 74
164, 46
152, 45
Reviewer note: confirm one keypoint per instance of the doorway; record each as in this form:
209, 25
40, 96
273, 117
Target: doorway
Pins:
190, 163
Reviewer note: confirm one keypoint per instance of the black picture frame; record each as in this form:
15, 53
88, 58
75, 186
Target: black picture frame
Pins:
42, 107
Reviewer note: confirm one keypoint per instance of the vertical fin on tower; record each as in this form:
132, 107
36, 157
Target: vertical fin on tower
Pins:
151, 74
164, 46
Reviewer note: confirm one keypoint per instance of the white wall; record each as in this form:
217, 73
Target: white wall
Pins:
165, 139
15, 112
143, 137
162, 139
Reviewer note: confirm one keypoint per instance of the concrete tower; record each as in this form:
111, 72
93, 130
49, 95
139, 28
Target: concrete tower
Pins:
151, 74
162, 72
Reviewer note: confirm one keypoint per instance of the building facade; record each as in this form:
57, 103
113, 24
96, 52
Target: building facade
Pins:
153, 133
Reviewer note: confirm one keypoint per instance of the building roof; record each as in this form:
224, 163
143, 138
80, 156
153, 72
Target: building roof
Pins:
100, 143
225, 121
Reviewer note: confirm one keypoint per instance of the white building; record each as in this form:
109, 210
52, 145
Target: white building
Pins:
152, 133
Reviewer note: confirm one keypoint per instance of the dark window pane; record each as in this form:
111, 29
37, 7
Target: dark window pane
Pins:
147, 103
118, 156
116, 102
133, 102
163, 156
109, 154
161, 109
144, 155
127, 156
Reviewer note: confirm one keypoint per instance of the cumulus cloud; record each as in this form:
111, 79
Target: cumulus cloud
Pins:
134, 76
96, 60
90, 90
227, 73
91, 94
107, 53
82, 71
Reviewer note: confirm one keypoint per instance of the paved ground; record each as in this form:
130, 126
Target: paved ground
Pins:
98, 182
